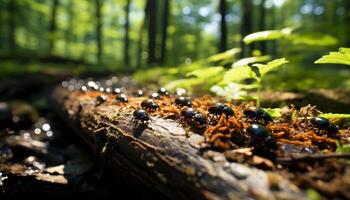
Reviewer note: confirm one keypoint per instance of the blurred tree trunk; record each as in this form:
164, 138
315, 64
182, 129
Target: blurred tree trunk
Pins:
11, 9
69, 33
152, 31
126, 36
262, 24
346, 22
165, 22
140, 41
273, 26
53, 26
223, 26
98, 6
246, 25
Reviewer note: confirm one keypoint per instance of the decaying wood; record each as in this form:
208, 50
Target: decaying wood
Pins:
164, 156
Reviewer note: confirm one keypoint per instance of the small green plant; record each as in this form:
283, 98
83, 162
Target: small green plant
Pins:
345, 148
255, 72
340, 57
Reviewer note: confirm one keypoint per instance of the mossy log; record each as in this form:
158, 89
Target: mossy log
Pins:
163, 156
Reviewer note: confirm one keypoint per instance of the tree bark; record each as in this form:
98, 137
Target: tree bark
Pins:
11, 9
223, 26
165, 22
126, 35
152, 31
98, 6
246, 26
53, 26
162, 154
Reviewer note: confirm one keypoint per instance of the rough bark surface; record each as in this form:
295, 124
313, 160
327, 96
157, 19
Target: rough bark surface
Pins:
164, 156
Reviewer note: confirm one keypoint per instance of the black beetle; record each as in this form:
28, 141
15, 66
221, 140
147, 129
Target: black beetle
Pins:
324, 124
101, 99
183, 101
139, 93
199, 119
261, 138
257, 114
121, 98
220, 109
155, 95
149, 104
141, 115
163, 92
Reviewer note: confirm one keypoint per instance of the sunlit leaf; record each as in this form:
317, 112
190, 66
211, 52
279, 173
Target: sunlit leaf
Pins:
274, 112
335, 116
206, 72
340, 57
229, 54
237, 74
313, 39
183, 83
267, 35
345, 148
270, 66
250, 60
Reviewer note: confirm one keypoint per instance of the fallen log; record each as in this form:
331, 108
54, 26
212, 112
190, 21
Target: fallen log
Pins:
163, 155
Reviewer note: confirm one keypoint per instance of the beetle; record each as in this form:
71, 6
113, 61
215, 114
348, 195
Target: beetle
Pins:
155, 95
163, 92
219, 109
257, 114
141, 116
191, 115
139, 93
149, 104
101, 99
261, 138
121, 98
324, 124
183, 101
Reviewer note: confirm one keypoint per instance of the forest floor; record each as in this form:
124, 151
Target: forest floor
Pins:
40, 154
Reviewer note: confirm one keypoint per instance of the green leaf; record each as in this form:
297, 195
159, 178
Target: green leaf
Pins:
342, 148
183, 83
229, 54
340, 57
270, 66
267, 35
313, 39
250, 60
274, 112
335, 116
237, 74
206, 72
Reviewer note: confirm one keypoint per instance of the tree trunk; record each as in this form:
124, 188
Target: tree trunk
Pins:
262, 25
11, 9
223, 27
53, 26
246, 26
162, 155
126, 36
346, 23
152, 32
98, 5
165, 22
140, 41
